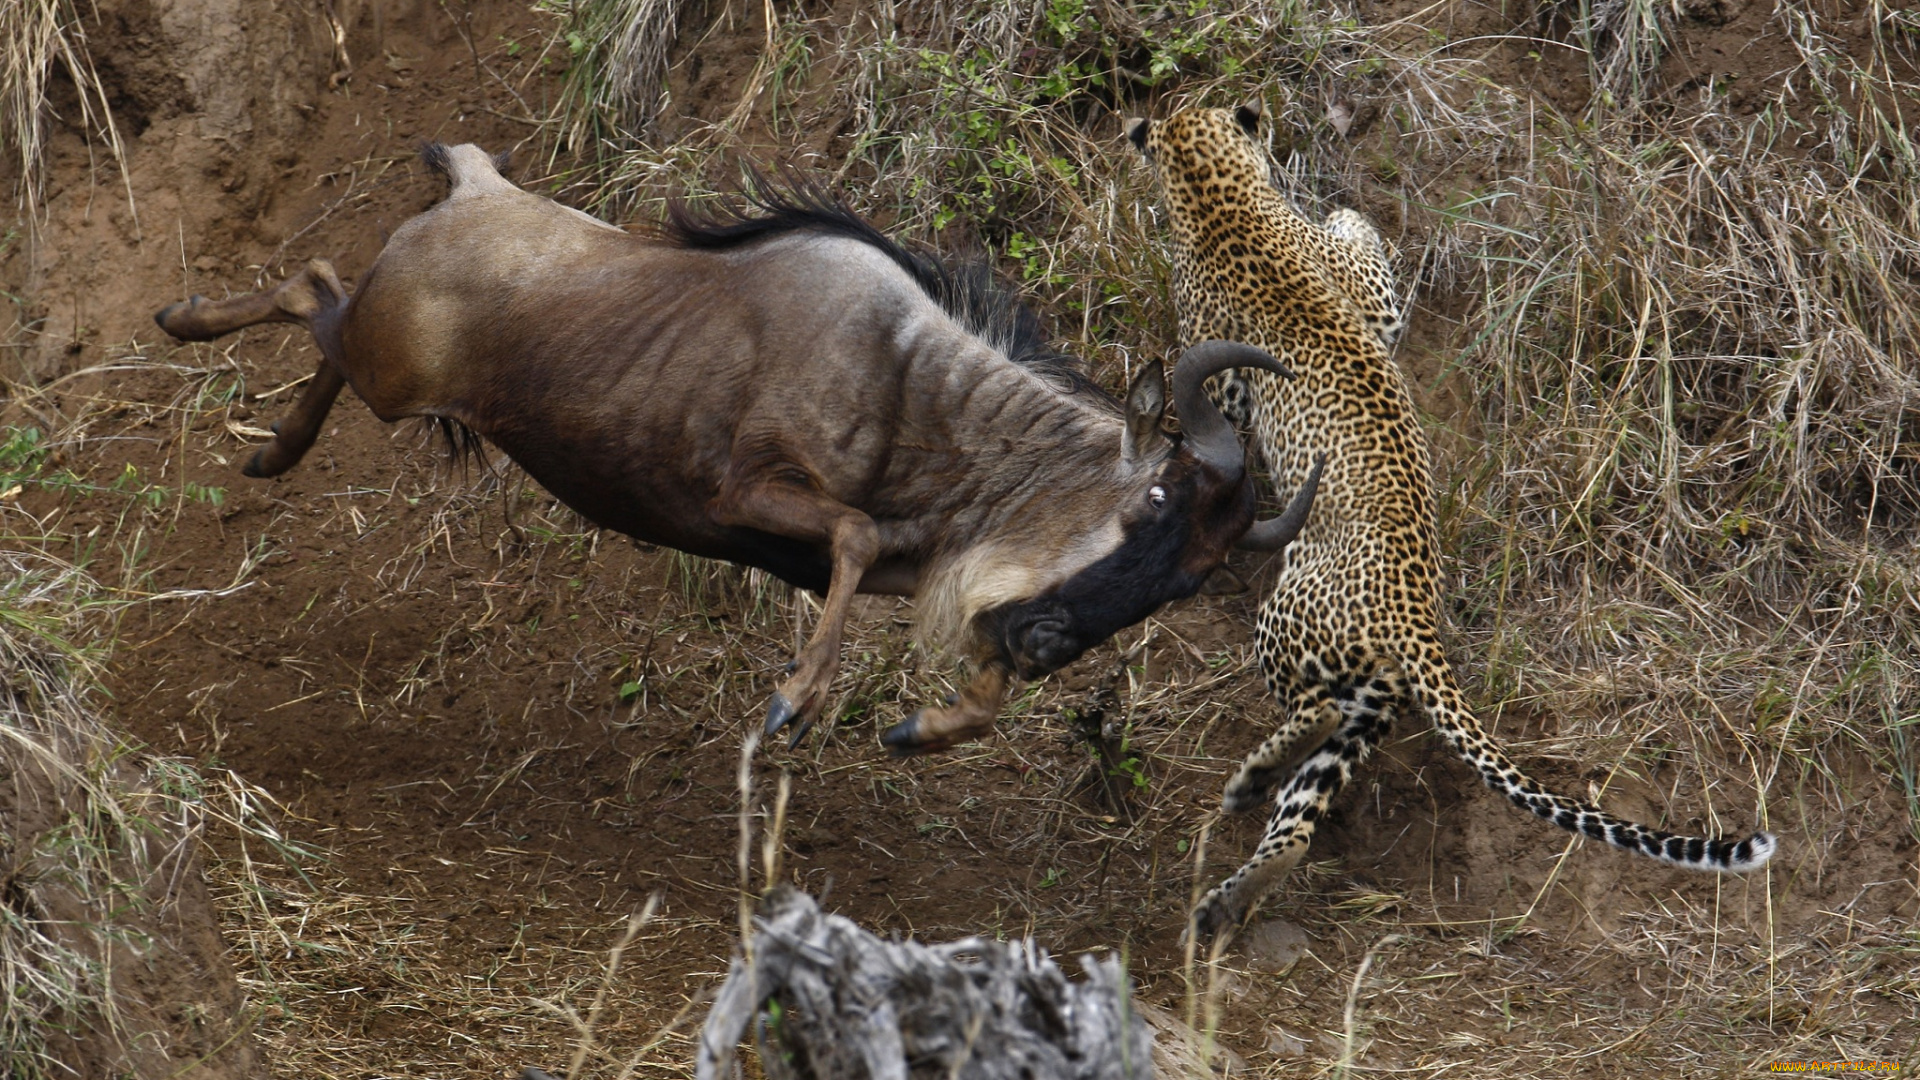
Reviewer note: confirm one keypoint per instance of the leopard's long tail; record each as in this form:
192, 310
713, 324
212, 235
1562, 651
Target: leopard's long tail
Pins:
1431, 680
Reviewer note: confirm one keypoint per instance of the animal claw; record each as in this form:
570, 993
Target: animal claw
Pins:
1211, 919
953, 698
1244, 797
779, 712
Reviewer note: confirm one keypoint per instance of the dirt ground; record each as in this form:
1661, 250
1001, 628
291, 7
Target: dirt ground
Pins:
507, 730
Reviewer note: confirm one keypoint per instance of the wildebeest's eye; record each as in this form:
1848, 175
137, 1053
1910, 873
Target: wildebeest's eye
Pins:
1157, 496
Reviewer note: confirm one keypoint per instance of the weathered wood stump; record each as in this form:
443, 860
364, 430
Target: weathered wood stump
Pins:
829, 1001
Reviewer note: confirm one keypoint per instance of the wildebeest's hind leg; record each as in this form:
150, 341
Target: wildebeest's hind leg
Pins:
293, 434
305, 296
788, 508
313, 298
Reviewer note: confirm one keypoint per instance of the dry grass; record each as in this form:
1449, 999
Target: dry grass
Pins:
49, 732
98, 833
98, 830
1692, 349
38, 38
347, 977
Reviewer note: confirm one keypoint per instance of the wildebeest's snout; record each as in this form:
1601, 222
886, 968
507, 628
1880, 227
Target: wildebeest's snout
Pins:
1050, 645
1040, 637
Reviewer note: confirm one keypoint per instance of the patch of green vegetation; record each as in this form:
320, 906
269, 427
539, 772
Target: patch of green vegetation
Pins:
990, 118
28, 462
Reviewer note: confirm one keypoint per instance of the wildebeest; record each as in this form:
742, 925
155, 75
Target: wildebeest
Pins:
775, 383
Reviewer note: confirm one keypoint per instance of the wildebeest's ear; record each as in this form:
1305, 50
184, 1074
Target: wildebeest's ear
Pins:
1248, 116
1146, 404
1137, 132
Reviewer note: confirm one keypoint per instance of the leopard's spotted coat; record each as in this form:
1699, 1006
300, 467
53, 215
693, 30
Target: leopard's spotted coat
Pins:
1350, 635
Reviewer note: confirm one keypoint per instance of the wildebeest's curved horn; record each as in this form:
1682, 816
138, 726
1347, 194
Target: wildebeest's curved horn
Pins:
1276, 533
1206, 431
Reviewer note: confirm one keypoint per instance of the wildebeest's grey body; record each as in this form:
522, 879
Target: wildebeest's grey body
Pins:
593, 433
785, 392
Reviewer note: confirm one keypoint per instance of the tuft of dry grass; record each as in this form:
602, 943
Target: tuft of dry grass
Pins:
615, 87
98, 837
1624, 41
36, 38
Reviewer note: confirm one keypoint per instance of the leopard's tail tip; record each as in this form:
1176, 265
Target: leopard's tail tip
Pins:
1752, 853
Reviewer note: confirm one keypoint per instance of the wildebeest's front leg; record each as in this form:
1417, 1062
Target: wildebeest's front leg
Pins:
790, 507
969, 715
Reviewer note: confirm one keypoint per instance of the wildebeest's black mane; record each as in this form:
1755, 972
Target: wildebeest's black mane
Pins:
970, 292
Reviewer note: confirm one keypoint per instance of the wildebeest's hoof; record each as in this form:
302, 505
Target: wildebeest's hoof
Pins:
929, 731
903, 738
256, 465
168, 319
799, 733
779, 712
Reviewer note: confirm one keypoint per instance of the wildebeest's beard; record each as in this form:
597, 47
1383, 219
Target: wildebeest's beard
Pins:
1157, 562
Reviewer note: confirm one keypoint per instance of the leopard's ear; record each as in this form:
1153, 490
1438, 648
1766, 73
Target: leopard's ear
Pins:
1248, 116
1137, 132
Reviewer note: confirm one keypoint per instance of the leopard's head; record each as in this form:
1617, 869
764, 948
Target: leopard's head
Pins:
1205, 158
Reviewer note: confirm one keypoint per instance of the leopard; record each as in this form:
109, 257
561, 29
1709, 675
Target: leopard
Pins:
1349, 640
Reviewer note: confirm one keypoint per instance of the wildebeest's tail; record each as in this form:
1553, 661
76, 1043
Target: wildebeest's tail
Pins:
1431, 680
467, 168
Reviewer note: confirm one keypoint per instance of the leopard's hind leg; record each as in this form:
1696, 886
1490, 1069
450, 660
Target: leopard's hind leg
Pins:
1366, 707
1363, 269
1311, 719
1294, 662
